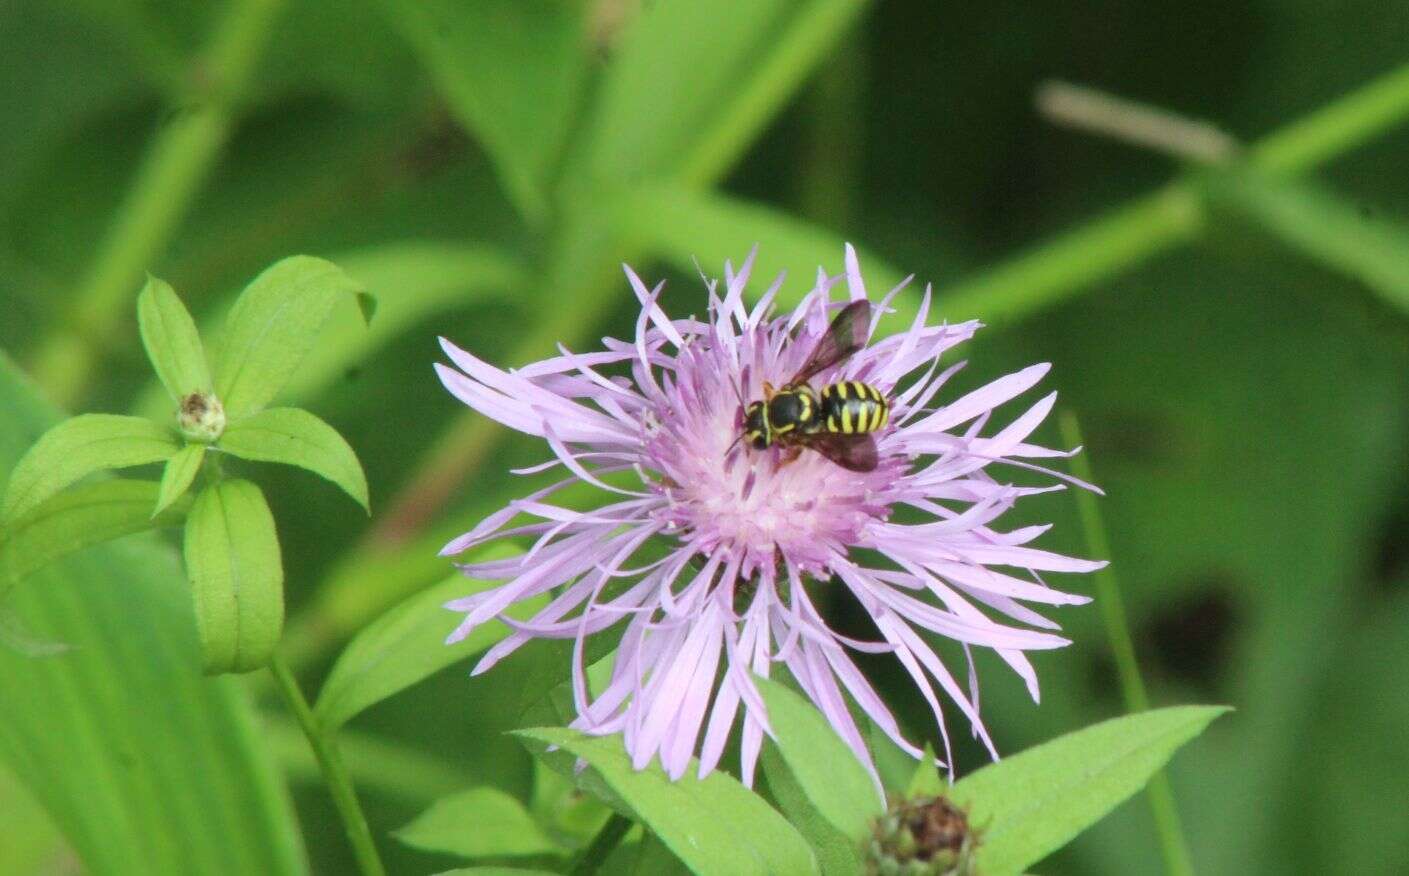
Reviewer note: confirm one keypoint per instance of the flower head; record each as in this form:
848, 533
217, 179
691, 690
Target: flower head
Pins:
713, 553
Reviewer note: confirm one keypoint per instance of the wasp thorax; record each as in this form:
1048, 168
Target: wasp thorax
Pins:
201, 417
926, 836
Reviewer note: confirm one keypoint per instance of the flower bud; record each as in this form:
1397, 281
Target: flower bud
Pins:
926, 836
201, 417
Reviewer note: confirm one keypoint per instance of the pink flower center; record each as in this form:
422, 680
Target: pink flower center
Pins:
756, 505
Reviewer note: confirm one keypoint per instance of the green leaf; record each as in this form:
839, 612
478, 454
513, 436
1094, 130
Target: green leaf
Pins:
172, 342
1327, 228
295, 437
820, 785
894, 764
417, 279
926, 782
665, 84
180, 471
78, 519
482, 822
407, 644
367, 307
272, 326
1033, 803
714, 825
237, 577
687, 227
654, 858
143, 764
837, 854
81, 446
512, 72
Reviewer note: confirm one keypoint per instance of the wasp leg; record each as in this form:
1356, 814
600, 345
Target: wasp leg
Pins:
768, 390
790, 454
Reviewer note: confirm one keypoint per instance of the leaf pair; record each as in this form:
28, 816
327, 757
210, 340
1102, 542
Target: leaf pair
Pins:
269, 331
231, 547
272, 326
1025, 806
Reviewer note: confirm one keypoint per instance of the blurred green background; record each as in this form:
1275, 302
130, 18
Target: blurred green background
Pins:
1233, 333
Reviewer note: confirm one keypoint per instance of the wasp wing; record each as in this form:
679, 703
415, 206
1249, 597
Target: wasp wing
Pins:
844, 336
852, 452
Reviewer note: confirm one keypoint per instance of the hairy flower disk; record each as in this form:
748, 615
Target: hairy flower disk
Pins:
751, 537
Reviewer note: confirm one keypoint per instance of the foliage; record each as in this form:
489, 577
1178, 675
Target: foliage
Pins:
1232, 336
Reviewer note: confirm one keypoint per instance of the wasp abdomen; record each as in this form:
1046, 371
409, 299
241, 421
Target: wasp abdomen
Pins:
850, 407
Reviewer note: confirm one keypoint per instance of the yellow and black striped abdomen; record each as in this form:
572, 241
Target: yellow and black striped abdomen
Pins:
851, 407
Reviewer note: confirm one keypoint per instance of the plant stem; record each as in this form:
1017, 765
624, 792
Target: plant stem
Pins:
1055, 269
1150, 225
602, 845
1173, 846
376, 764
813, 32
176, 164
1335, 128
334, 771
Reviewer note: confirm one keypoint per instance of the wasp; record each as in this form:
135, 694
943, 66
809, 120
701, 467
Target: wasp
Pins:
840, 421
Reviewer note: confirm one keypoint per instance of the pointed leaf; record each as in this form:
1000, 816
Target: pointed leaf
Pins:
837, 854
272, 326
654, 858
926, 782
295, 437
513, 72
825, 769
180, 471
172, 342
1033, 803
367, 306
81, 446
479, 823
78, 519
237, 578
427, 276
665, 84
143, 764
714, 825
894, 764
407, 645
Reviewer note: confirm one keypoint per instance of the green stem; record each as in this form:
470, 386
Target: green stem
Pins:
1055, 269
1153, 224
1173, 846
814, 32
176, 164
602, 845
334, 771
1335, 128
376, 764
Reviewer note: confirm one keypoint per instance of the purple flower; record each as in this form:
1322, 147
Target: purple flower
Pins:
713, 555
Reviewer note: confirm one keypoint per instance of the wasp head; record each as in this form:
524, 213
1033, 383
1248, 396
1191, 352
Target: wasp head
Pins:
756, 431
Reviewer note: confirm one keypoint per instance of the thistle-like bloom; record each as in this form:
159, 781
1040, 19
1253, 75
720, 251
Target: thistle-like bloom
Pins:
715, 556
